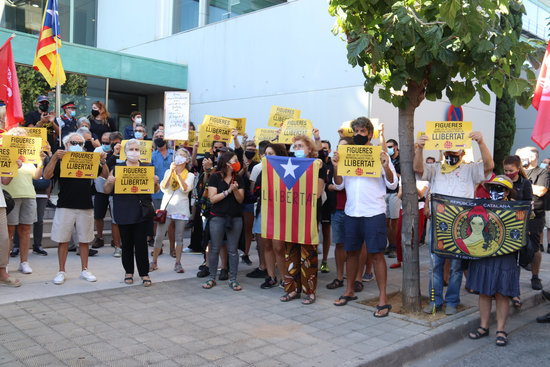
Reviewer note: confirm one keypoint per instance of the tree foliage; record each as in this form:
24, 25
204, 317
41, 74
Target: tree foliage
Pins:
460, 47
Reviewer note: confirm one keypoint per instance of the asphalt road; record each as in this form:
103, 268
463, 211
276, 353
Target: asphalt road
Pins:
529, 345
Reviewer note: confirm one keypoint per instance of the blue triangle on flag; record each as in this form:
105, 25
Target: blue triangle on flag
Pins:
290, 169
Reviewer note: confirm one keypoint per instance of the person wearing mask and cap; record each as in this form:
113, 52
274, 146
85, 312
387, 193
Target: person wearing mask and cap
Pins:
74, 208
41, 117
136, 118
452, 177
67, 121
539, 182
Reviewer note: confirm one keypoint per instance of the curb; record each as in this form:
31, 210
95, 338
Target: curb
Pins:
441, 336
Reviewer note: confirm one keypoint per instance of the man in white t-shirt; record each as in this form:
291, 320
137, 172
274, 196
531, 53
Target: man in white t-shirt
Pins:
451, 177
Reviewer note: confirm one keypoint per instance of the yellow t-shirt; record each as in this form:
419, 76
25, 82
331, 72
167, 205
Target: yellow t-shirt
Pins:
21, 186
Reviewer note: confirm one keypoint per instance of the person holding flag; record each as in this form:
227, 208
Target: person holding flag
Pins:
365, 217
9, 87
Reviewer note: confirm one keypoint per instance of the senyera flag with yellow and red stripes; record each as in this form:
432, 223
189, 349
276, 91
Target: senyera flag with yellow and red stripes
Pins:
47, 60
289, 199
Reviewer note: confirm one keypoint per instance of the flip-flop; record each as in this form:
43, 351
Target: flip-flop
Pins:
11, 282
129, 280
380, 308
346, 299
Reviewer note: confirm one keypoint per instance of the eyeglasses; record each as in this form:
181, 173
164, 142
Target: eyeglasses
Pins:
81, 143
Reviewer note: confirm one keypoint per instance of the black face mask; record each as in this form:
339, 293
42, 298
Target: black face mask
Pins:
323, 154
360, 139
95, 113
160, 142
44, 107
88, 146
249, 155
451, 159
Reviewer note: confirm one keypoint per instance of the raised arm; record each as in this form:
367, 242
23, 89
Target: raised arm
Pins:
488, 163
418, 161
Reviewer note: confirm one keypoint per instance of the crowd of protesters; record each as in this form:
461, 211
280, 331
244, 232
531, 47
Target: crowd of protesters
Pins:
216, 197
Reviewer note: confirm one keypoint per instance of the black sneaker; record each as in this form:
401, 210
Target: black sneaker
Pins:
224, 274
14, 252
38, 250
257, 273
90, 252
204, 272
246, 260
536, 284
49, 204
269, 283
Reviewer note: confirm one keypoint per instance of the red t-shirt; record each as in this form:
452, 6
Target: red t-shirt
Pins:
341, 200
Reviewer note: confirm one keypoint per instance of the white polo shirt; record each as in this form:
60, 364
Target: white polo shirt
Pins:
365, 195
461, 182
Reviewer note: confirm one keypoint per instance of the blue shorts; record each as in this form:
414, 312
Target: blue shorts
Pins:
371, 230
248, 208
337, 226
257, 226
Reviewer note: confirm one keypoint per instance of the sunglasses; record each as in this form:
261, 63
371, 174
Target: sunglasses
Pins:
76, 143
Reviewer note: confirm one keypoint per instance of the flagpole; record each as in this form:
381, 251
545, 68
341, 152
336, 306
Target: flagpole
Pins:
57, 86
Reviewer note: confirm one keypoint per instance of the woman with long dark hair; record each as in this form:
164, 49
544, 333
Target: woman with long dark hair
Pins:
100, 120
226, 194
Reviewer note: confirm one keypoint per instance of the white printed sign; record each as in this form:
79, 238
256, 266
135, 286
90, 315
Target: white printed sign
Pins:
176, 115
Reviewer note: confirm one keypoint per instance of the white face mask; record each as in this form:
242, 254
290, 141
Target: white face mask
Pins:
180, 160
138, 120
132, 156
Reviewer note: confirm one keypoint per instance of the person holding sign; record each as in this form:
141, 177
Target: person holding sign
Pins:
132, 213
24, 213
176, 185
74, 208
456, 178
365, 217
42, 118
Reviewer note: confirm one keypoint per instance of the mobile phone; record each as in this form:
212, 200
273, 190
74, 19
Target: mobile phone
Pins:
207, 155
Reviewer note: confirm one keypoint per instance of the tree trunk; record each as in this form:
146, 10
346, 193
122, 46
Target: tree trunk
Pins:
409, 229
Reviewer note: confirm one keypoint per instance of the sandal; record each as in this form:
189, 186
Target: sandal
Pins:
357, 286
308, 299
502, 341
382, 308
11, 282
336, 283
153, 266
345, 300
146, 282
235, 286
517, 303
209, 284
289, 296
476, 334
129, 279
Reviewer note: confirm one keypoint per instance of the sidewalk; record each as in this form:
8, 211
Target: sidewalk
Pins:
176, 323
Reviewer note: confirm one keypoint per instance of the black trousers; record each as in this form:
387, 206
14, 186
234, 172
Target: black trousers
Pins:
134, 240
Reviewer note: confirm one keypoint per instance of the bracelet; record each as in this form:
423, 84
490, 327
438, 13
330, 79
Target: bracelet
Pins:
224, 194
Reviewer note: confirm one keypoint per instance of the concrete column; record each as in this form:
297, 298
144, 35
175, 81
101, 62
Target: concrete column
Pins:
204, 12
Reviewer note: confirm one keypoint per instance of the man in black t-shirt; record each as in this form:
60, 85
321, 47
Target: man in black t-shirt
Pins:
42, 118
539, 181
74, 208
393, 202
329, 204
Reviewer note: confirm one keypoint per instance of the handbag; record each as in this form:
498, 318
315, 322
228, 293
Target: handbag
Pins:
160, 214
10, 203
41, 184
147, 209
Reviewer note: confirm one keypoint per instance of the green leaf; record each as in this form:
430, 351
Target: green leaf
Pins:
484, 95
357, 47
447, 56
448, 11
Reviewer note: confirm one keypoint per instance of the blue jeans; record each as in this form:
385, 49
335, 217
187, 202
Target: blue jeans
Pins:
452, 297
217, 230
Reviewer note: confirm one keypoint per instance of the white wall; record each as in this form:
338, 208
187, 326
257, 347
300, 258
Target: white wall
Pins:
284, 55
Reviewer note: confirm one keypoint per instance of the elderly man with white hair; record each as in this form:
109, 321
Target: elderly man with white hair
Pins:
74, 208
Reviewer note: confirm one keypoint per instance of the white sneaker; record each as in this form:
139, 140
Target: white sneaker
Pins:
59, 278
87, 275
25, 268
187, 250
118, 252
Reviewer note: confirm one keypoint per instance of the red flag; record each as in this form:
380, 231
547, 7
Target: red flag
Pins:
541, 102
9, 87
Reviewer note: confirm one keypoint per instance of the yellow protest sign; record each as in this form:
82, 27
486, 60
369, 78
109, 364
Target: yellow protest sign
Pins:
28, 148
278, 115
134, 180
348, 131
145, 150
359, 160
266, 134
448, 135
8, 165
217, 128
241, 124
292, 128
38, 132
79, 165
420, 133
192, 137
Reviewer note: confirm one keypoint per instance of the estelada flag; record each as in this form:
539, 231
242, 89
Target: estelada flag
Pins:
47, 60
477, 228
541, 102
289, 199
9, 87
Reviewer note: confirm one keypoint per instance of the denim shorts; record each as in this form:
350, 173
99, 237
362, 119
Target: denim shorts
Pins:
337, 226
257, 226
371, 230
248, 208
